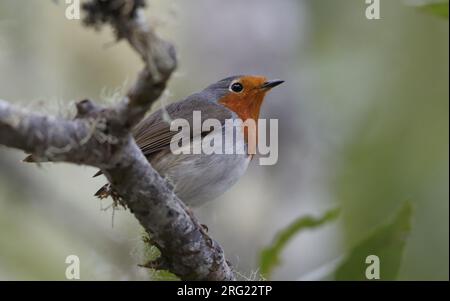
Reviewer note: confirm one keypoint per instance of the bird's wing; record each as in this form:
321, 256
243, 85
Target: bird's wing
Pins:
154, 134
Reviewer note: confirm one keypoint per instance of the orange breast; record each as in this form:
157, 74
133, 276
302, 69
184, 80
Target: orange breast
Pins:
246, 107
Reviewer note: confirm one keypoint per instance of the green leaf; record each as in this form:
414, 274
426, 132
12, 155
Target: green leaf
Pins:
438, 9
151, 254
387, 242
269, 258
162, 275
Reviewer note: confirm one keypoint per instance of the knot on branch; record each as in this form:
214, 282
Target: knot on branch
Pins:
115, 12
85, 108
106, 121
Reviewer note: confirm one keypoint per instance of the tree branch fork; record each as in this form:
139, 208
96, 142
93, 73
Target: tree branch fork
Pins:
100, 137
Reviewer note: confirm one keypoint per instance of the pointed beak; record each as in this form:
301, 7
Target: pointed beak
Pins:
270, 84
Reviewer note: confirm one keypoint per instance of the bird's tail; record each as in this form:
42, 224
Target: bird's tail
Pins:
108, 191
33, 159
104, 192
98, 174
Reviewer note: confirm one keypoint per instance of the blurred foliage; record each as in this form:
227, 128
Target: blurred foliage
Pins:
270, 256
389, 117
439, 9
387, 242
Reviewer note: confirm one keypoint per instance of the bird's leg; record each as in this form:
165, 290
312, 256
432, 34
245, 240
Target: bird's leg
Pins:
205, 227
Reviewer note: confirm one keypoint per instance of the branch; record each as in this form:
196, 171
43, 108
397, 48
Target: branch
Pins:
128, 21
100, 137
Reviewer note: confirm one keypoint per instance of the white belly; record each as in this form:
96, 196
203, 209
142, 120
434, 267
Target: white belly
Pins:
198, 178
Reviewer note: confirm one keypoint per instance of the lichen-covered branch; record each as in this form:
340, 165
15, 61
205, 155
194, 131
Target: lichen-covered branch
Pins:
127, 19
100, 137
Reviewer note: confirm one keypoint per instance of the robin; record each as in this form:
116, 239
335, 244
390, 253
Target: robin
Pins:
198, 178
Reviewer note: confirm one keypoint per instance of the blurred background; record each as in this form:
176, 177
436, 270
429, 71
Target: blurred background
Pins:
363, 124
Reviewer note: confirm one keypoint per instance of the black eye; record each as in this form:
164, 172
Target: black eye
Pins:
237, 87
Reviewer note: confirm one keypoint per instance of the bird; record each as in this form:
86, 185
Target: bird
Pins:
199, 178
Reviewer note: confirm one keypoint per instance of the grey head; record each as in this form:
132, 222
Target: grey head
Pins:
244, 87
219, 89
